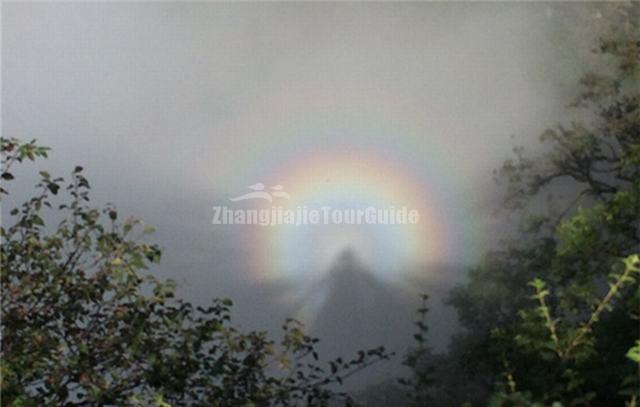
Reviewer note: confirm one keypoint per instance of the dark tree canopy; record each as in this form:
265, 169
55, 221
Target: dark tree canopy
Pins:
85, 323
552, 315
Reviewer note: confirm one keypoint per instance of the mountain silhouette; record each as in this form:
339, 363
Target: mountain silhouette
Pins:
351, 309
355, 301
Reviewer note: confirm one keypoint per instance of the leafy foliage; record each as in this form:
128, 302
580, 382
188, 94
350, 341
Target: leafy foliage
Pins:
85, 323
416, 359
551, 318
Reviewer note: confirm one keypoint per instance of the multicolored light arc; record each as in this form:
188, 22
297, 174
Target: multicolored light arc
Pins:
330, 158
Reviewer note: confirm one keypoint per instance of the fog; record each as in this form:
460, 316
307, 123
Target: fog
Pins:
173, 108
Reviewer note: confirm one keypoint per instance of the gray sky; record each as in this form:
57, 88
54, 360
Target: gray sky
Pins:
174, 107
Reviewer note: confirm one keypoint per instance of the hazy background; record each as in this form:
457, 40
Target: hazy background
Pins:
156, 100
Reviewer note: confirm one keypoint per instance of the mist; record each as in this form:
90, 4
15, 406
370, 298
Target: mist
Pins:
173, 108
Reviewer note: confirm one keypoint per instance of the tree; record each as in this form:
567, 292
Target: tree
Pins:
85, 323
552, 316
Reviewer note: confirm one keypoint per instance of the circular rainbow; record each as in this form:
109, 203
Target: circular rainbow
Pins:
324, 155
